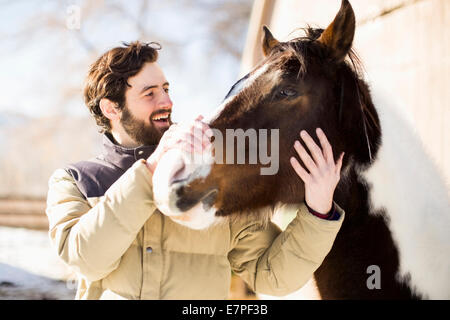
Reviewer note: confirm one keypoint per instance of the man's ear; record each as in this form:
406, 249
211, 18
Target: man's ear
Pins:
338, 36
109, 109
269, 42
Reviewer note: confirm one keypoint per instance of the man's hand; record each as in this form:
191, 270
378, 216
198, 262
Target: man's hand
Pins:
193, 137
324, 174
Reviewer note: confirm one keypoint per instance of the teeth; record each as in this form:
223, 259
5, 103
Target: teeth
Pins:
160, 117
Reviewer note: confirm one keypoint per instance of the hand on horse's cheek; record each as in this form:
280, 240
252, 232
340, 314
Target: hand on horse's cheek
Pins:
191, 138
322, 174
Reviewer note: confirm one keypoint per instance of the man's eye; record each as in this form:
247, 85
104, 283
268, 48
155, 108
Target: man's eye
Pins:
149, 94
166, 90
288, 92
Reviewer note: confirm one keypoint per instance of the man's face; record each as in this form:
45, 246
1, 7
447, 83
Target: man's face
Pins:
146, 114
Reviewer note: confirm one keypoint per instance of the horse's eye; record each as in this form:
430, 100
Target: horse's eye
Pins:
288, 92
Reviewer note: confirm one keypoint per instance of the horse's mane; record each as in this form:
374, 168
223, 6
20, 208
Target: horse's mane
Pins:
301, 46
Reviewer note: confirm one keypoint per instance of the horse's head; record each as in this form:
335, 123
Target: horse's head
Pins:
301, 84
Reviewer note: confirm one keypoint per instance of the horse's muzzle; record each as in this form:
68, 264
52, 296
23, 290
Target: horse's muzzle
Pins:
174, 194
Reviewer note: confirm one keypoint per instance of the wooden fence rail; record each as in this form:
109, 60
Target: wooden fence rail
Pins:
23, 213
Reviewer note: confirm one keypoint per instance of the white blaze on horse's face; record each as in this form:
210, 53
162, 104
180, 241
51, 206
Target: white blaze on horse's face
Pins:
240, 86
176, 168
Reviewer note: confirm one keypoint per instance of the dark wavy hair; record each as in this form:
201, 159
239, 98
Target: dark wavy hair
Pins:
107, 77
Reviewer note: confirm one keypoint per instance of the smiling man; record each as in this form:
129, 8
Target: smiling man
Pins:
147, 93
105, 225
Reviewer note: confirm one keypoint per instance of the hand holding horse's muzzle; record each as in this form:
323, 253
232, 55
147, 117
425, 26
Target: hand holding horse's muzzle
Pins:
173, 194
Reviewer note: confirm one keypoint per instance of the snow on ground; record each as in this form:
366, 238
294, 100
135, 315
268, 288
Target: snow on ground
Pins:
30, 268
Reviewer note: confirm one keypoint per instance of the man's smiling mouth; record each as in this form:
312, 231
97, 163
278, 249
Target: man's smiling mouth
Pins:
162, 118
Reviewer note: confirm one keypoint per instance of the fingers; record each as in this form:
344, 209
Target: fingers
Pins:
203, 126
307, 160
206, 131
202, 133
299, 170
326, 147
324, 174
321, 161
315, 150
192, 137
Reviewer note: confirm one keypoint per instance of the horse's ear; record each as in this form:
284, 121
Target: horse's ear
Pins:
269, 42
338, 36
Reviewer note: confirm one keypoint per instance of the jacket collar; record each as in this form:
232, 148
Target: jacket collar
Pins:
123, 157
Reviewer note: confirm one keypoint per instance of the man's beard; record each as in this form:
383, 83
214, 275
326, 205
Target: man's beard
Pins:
141, 132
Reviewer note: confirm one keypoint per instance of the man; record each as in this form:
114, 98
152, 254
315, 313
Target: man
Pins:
104, 224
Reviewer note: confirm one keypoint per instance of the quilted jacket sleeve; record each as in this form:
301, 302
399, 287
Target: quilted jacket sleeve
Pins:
278, 263
93, 239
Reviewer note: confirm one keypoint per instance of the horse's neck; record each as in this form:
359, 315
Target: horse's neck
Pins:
404, 181
352, 195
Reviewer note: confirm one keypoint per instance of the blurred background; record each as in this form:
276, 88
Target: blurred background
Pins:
47, 47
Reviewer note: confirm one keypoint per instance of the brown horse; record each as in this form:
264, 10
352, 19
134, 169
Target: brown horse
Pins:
391, 227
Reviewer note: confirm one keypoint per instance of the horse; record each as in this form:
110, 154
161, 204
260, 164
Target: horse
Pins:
397, 207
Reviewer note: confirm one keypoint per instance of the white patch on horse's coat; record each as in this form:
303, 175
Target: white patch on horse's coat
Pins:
309, 291
406, 183
198, 219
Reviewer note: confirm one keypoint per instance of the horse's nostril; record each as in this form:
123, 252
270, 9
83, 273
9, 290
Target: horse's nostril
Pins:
180, 191
184, 204
187, 199
220, 213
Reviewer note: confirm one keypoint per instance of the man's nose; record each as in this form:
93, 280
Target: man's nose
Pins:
165, 102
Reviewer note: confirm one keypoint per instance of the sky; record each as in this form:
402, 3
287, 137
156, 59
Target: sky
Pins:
40, 63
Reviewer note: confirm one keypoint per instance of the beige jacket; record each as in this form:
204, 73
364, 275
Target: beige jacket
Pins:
123, 247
